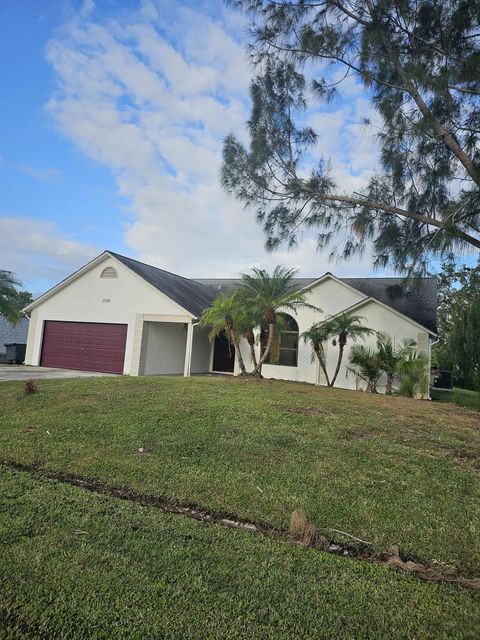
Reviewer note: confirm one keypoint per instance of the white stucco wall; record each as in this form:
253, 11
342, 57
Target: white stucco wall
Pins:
90, 298
201, 350
333, 297
163, 348
379, 318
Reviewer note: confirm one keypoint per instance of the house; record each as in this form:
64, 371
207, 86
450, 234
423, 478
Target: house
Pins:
11, 333
119, 315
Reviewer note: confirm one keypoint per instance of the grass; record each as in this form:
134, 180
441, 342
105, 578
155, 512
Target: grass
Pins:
388, 470
83, 566
459, 396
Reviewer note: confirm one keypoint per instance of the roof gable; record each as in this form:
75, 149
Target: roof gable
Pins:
189, 294
415, 299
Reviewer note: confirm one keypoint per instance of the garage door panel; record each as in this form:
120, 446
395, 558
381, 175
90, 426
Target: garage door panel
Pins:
87, 346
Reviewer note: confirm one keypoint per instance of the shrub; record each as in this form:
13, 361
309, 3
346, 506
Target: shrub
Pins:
30, 386
408, 387
457, 397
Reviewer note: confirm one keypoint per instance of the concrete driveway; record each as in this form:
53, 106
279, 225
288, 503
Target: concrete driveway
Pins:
25, 372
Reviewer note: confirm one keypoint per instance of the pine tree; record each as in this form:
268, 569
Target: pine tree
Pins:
459, 323
419, 62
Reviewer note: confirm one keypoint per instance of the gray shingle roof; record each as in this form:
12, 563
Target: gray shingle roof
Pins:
189, 294
415, 299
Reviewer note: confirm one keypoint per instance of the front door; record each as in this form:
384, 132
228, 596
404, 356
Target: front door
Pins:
223, 354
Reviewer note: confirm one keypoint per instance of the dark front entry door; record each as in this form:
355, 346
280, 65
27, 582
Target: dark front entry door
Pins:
223, 354
88, 346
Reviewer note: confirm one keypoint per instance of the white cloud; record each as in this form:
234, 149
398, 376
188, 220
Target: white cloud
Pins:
37, 252
151, 95
49, 173
88, 7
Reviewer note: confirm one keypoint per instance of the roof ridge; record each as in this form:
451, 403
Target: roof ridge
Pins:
145, 264
328, 273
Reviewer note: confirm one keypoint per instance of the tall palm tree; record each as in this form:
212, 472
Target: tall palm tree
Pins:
338, 328
265, 294
225, 314
249, 318
317, 337
8, 294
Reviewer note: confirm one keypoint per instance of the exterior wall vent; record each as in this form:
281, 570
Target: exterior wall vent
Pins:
109, 272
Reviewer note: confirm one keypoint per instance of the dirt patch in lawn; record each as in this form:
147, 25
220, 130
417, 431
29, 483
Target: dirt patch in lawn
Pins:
308, 536
306, 411
357, 435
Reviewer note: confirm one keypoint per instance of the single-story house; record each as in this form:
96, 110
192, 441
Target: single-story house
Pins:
119, 315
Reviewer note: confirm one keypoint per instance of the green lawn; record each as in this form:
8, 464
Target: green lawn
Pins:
388, 470
462, 397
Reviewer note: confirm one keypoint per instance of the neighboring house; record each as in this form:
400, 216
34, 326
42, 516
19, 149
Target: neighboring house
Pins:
10, 333
119, 315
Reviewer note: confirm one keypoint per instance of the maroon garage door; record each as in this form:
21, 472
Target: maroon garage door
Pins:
88, 346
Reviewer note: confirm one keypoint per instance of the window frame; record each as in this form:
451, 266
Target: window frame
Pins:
264, 337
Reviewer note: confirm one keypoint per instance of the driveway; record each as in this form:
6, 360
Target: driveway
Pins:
25, 372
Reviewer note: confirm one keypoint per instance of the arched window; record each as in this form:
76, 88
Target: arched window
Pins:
288, 356
109, 272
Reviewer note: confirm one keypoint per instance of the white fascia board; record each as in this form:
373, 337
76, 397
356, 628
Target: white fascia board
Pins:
158, 291
80, 272
330, 276
360, 304
68, 280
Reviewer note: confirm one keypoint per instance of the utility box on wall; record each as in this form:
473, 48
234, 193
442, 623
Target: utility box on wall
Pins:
443, 380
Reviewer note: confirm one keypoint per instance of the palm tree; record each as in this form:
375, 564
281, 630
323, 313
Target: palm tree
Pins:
225, 314
265, 294
412, 369
316, 336
394, 361
8, 294
247, 320
249, 336
338, 328
402, 361
366, 365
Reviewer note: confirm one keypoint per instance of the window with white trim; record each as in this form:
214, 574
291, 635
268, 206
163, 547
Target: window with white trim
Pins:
288, 353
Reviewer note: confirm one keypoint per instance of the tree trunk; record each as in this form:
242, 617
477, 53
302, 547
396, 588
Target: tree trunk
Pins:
250, 338
241, 363
388, 386
342, 340
445, 136
271, 333
316, 348
236, 343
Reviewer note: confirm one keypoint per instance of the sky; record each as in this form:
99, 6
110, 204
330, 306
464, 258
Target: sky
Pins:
113, 114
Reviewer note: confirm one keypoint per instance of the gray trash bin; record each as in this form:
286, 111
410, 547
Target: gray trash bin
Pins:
15, 352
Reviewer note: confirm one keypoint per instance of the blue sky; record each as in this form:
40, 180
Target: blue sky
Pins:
113, 115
